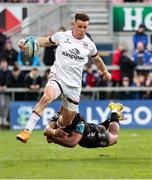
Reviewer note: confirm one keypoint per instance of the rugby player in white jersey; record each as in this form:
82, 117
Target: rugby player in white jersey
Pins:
74, 48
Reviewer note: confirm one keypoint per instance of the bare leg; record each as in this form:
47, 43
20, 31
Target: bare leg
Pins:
67, 117
116, 115
114, 128
47, 98
113, 132
50, 93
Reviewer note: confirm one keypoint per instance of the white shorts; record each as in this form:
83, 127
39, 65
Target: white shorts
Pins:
69, 95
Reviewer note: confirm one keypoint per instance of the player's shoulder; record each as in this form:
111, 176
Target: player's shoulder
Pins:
68, 32
87, 39
62, 34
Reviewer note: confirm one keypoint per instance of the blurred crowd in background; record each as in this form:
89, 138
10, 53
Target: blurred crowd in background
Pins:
33, 1
131, 1
127, 75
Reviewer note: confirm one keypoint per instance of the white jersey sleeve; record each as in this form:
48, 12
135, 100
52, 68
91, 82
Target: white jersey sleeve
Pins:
93, 51
56, 37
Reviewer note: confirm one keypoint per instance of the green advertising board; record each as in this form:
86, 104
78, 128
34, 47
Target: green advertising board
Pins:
128, 18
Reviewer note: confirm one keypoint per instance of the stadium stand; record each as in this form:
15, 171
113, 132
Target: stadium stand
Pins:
99, 19
41, 19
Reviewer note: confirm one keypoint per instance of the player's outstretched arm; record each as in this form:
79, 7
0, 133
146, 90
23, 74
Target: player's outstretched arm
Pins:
45, 41
61, 137
101, 66
41, 41
67, 141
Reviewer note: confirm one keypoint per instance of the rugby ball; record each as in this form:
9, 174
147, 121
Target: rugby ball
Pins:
31, 46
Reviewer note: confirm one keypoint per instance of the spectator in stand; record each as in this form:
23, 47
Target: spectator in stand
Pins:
126, 94
9, 53
88, 79
4, 73
4, 98
45, 77
33, 81
140, 36
127, 67
16, 77
16, 80
49, 55
149, 80
99, 82
139, 81
116, 74
141, 56
24, 60
3, 39
149, 84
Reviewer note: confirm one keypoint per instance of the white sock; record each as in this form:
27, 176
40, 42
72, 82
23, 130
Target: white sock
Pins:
32, 121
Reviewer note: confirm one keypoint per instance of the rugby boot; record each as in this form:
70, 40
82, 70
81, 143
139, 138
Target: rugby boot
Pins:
118, 108
23, 136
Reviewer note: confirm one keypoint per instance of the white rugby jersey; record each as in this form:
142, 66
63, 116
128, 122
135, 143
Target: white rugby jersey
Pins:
71, 56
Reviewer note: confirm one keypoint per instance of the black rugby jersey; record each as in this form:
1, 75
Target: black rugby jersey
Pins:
92, 135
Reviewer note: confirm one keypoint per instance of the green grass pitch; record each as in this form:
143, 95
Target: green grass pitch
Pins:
131, 158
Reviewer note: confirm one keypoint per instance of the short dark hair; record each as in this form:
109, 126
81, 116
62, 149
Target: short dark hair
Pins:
81, 16
16, 67
142, 26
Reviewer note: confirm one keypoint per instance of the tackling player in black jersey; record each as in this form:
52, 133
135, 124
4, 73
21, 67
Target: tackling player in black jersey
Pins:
85, 134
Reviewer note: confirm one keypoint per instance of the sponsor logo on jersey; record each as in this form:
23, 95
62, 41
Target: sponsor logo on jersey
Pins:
85, 45
80, 128
67, 41
73, 54
92, 134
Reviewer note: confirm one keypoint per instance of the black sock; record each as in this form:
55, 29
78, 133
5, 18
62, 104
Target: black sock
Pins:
114, 117
106, 123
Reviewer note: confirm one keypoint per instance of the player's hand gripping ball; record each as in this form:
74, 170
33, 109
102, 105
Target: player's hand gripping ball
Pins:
29, 46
